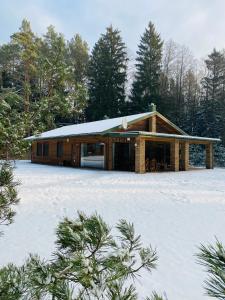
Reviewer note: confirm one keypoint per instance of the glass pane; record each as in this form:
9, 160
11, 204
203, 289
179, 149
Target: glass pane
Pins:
45, 149
39, 149
92, 155
59, 149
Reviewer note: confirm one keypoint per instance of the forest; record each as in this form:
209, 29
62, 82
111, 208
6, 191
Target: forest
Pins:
48, 81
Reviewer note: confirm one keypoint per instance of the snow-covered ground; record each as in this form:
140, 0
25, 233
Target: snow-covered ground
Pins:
175, 212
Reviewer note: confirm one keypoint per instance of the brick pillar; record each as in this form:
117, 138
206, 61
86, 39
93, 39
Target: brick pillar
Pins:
139, 155
174, 155
209, 156
109, 162
152, 124
185, 156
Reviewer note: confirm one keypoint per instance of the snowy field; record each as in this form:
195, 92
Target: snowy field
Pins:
175, 212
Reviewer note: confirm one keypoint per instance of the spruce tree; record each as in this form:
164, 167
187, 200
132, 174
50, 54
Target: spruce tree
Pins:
107, 76
148, 69
213, 98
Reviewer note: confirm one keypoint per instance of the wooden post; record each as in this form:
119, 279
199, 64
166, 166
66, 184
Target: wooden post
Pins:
109, 155
209, 156
185, 156
152, 124
174, 155
139, 155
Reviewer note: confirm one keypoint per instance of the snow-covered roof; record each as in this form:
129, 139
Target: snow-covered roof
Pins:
95, 127
109, 125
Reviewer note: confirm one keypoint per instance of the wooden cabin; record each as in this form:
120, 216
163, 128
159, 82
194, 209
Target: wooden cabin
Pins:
145, 142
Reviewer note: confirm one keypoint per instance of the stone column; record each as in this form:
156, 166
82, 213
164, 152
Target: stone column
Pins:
139, 155
209, 156
174, 155
185, 156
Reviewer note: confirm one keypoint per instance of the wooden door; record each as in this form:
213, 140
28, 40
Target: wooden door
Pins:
75, 155
124, 156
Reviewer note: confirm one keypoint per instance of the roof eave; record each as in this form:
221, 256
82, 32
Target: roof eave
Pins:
162, 135
38, 138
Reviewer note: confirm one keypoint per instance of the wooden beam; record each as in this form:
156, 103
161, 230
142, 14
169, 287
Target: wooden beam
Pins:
185, 156
140, 155
109, 154
174, 155
209, 156
152, 124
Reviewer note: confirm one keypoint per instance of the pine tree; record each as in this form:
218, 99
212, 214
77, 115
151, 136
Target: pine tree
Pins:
148, 69
212, 257
26, 41
9, 57
52, 65
8, 194
107, 76
89, 264
13, 124
78, 59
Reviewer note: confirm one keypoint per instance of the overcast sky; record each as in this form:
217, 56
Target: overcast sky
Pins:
198, 24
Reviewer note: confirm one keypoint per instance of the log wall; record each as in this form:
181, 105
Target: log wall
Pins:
72, 150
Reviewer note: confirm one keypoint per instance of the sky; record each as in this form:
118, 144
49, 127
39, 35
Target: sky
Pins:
198, 24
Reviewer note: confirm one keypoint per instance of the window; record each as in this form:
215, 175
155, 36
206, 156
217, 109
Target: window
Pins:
92, 155
39, 149
45, 149
59, 149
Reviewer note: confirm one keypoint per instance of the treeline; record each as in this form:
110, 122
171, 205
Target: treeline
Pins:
48, 81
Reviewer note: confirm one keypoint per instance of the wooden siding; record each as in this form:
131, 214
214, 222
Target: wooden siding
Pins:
151, 124
164, 127
72, 150
142, 125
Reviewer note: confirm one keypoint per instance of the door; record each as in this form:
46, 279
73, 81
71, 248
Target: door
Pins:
75, 155
124, 156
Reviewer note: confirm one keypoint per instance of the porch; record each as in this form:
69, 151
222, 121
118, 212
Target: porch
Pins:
154, 155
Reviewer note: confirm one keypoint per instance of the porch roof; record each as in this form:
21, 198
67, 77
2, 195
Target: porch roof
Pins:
163, 135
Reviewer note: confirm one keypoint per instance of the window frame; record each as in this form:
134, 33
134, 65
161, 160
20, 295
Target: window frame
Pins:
39, 150
59, 149
44, 148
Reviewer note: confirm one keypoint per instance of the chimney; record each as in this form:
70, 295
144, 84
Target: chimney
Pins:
124, 123
152, 107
